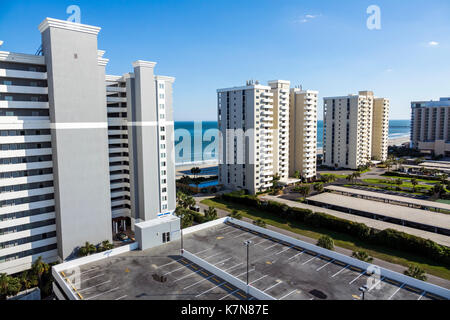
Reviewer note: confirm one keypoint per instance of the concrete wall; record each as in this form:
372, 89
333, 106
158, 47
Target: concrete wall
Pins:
149, 234
77, 100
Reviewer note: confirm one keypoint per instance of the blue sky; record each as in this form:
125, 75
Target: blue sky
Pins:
323, 45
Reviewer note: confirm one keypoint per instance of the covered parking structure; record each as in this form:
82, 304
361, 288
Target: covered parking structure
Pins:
415, 218
391, 199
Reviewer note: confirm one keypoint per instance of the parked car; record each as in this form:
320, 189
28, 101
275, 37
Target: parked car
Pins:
195, 208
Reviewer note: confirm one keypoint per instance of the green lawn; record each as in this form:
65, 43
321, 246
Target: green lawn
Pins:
443, 201
340, 239
404, 185
338, 176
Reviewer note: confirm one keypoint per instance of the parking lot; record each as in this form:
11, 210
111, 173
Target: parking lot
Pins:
281, 270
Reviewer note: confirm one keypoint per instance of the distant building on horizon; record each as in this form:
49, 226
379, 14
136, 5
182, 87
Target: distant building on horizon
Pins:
430, 126
356, 129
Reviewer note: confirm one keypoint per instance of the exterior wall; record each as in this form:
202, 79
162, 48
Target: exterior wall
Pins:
79, 136
349, 144
430, 126
380, 129
245, 119
27, 207
303, 133
154, 233
280, 150
150, 118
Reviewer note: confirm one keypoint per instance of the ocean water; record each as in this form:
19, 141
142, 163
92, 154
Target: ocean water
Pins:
196, 141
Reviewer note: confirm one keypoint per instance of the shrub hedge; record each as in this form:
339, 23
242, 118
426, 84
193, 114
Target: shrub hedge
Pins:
388, 238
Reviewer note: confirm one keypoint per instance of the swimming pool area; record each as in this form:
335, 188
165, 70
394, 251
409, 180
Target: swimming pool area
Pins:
205, 184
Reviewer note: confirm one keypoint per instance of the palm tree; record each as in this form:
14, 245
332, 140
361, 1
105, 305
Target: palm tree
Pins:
4, 284
443, 178
106, 245
185, 201
195, 171
414, 182
304, 191
416, 272
438, 188
39, 267
362, 255
236, 215
210, 214
318, 187
260, 223
28, 280
297, 174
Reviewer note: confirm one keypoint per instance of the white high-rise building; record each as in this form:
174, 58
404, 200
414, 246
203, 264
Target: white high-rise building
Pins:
254, 124
355, 130
303, 133
79, 149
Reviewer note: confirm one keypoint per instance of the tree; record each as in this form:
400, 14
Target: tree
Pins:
39, 267
236, 215
87, 249
4, 284
297, 174
210, 214
319, 187
443, 178
416, 272
185, 216
362, 255
14, 286
438, 188
195, 171
185, 201
414, 183
304, 191
260, 223
326, 242
28, 280
105, 246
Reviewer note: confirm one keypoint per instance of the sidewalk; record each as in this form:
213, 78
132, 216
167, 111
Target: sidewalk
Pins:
391, 266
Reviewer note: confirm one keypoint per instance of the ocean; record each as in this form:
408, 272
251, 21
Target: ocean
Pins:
202, 134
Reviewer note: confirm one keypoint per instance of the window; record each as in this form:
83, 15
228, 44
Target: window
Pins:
163, 172
162, 116
164, 206
164, 189
164, 181
163, 164
161, 106
162, 129
8, 98
161, 95
161, 85
164, 198
163, 146
163, 155
163, 138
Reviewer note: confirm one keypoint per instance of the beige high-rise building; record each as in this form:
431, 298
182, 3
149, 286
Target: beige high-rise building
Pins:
380, 129
430, 126
253, 121
355, 130
303, 133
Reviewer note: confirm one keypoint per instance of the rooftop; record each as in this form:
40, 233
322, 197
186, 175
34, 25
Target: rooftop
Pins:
280, 267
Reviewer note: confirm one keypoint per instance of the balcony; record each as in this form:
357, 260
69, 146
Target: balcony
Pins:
23, 105
23, 74
23, 89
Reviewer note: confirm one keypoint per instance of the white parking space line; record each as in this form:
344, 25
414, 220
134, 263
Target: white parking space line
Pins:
214, 255
257, 279
167, 264
259, 243
97, 285
325, 265
219, 285
122, 297
271, 287
361, 274
310, 259
194, 284
244, 234
100, 294
231, 293
187, 276
222, 262
182, 267
96, 276
203, 251
396, 291
334, 275
376, 283
421, 296
244, 273
253, 237
298, 254
233, 267
230, 232
95, 268
271, 246
287, 295
284, 250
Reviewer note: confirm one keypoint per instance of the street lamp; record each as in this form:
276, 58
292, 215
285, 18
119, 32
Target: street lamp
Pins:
363, 289
247, 244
